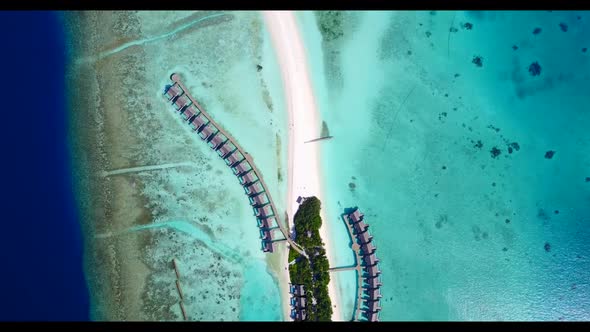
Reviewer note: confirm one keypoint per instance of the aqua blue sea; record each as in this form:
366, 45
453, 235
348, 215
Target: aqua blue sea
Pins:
40, 243
462, 235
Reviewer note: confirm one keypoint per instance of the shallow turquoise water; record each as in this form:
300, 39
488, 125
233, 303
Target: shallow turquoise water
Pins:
462, 235
260, 296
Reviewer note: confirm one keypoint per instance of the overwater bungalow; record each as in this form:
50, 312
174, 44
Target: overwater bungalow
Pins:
373, 283
254, 188
374, 294
368, 248
372, 316
356, 216
360, 227
265, 211
226, 149
181, 102
199, 122
364, 238
242, 167
372, 271
268, 246
370, 260
266, 235
217, 141
188, 113
173, 91
259, 200
207, 132
247, 178
373, 306
234, 158
266, 222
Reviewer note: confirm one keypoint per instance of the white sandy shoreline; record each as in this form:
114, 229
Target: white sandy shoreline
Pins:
304, 120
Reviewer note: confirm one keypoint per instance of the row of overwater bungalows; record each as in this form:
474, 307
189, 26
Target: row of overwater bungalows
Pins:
201, 123
371, 272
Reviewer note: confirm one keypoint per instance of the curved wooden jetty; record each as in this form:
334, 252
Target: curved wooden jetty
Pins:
364, 252
240, 161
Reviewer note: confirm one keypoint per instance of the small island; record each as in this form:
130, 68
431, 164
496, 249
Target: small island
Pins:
313, 274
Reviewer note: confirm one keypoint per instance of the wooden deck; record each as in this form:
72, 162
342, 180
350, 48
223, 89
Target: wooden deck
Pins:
177, 79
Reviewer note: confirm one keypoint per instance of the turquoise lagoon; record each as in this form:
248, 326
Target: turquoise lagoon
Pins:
461, 234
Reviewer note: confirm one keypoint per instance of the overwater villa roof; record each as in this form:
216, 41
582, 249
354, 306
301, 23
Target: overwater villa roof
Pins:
193, 109
188, 113
368, 248
173, 91
269, 247
373, 306
374, 293
266, 223
360, 226
372, 316
267, 235
263, 211
370, 259
254, 188
225, 149
356, 216
207, 131
260, 200
242, 167
234, 158
198, 121
364, 237
372, 270
181, 102
373, 283
217, 140
248, 177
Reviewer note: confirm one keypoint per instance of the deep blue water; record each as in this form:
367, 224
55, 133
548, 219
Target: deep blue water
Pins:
40, 241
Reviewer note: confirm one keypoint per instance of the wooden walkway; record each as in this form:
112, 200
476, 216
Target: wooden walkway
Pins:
177, 79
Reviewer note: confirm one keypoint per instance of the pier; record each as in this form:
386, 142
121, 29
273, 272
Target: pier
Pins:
364, 252
240, 161
179, 289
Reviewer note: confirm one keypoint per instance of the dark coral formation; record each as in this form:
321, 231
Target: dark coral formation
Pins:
535, 69
549, 154
495, 152
467, 26
478, 61
547, 247
563, 27
514, 47
514, 146
537, 31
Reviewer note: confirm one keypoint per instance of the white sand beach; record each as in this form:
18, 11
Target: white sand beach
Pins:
304, 123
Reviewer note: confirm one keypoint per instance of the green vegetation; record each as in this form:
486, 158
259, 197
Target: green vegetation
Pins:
312, 273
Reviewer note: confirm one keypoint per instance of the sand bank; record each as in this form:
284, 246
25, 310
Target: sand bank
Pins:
304, 120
